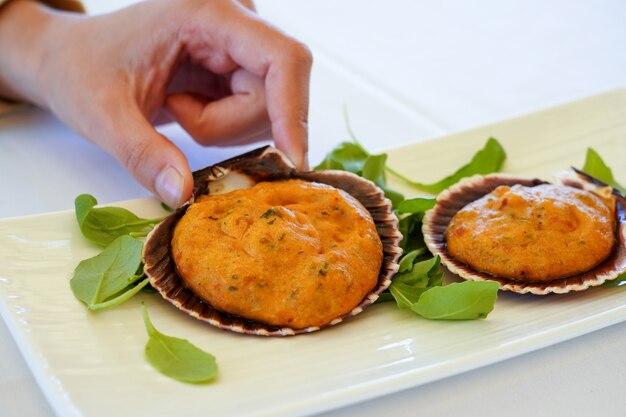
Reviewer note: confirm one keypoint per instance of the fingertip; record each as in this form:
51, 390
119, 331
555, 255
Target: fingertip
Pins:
297, 156
173, 185
292, 139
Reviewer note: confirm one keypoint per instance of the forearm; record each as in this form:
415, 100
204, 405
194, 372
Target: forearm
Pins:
24, 27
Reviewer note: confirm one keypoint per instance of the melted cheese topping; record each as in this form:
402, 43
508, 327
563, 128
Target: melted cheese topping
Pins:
537, 233
289, 253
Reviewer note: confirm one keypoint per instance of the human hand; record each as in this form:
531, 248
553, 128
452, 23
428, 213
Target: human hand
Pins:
213, 66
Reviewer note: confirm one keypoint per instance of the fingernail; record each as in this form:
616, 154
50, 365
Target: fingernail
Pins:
169, 186
299, 159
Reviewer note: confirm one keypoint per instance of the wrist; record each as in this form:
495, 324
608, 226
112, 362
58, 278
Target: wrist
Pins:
26, 29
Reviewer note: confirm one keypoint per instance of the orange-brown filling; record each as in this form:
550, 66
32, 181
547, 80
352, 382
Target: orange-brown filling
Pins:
537, 233
292, 253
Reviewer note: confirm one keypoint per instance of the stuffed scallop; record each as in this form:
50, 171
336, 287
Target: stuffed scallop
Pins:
530, 236
267, 250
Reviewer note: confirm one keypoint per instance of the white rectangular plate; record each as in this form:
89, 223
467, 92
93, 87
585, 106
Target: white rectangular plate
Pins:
91, 364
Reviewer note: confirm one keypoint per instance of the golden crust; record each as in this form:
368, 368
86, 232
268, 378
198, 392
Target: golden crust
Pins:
292, 253
533, 234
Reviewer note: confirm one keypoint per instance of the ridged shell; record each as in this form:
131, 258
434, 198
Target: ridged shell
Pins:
264, 164
436, 221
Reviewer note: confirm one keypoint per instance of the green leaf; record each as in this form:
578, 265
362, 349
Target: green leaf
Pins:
177, 358
109, 274
595, 166
103, 225
394, 196
405, 295
418, 286
346, 156
374, 170
421, 272
458, 301
411, 229
414, 278
435, 279
385, 297
416, 205
489, 159
352, 157
411, 226
406, 262
124, 296
617, 282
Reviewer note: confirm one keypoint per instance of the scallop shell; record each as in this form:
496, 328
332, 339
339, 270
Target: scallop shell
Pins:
264, 164
436, 221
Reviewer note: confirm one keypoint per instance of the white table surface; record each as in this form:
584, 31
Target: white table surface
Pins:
408, 71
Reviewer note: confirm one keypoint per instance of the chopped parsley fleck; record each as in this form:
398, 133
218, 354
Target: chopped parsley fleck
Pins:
271, 212
323, 270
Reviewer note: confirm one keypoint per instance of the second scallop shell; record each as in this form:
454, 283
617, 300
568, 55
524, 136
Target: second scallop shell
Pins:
449, 202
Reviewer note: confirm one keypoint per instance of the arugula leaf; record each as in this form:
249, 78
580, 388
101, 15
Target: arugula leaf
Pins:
416, 205
617, 282
107, 279
423, 274
411, 226
406, 263
411, 229
595, 166
346, 156
405, 295
413, 279
487, 160
352, 157
384, 297
102, 225
177, 358
374, 170
465, 300
418, 287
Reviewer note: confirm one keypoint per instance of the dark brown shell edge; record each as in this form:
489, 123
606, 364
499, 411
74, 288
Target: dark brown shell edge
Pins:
436, 221
266, 164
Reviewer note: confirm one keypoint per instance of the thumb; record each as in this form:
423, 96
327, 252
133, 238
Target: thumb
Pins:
154, 161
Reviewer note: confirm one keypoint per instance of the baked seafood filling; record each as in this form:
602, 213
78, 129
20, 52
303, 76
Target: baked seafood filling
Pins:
265, 249
291, 252
533, 233
529, 235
